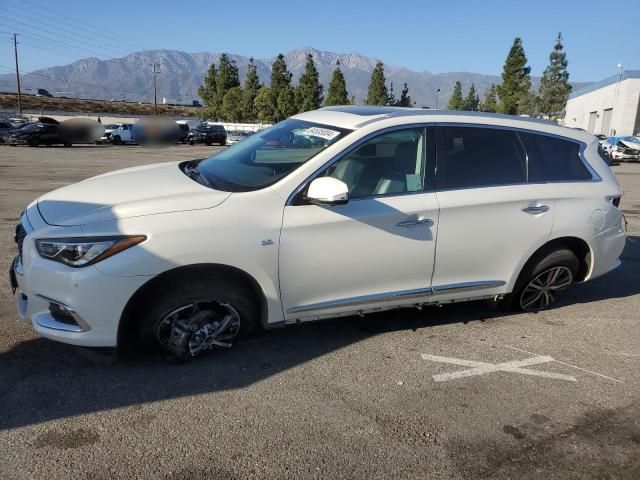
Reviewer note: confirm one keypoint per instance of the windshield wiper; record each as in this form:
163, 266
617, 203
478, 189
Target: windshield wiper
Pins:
191, 170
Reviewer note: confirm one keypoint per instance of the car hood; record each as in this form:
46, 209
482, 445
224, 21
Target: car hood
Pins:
635, 146
132, 192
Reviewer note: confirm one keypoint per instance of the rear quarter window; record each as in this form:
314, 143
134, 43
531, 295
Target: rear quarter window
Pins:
553, 159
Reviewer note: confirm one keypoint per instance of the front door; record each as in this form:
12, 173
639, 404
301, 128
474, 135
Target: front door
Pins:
378, 249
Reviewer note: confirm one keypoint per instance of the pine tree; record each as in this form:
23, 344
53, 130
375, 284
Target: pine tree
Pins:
309, 87
250, 92
490, 102
377, 94
280, 76
391, 97
286, 103
337, 92
554, 85
405, 98
266, 105
227, 77
208, 92
231, 108
516, 81
472, 102
456, 101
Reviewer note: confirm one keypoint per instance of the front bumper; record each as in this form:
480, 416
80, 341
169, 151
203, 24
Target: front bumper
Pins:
80, 306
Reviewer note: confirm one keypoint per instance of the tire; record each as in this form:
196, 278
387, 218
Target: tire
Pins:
208, 143
223, 143
548, 275
195, 288
117, 140
191, 142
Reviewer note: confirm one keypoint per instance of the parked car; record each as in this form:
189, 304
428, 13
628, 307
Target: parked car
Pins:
5, 128
277, 229
622, 148
184, 133
208, 134
235, 137
108, 130
37, 133
123, 134
41, 92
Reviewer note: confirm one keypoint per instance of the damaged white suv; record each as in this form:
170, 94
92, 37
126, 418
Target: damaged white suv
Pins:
334, 212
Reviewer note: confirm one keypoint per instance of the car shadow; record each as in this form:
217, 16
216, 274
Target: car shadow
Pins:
42, 380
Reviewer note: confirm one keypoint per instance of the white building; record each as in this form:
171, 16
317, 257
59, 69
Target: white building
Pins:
609, 107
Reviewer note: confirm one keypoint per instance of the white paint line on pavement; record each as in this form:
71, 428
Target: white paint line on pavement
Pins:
481, 368
567, 364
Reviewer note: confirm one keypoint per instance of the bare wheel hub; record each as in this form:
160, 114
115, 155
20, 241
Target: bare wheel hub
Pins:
196, 327
544, 288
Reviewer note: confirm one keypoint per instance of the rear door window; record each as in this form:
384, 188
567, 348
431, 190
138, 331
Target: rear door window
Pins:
553, 159
473, 157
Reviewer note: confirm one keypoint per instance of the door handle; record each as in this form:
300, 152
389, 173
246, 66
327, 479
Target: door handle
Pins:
536, 209
413, 222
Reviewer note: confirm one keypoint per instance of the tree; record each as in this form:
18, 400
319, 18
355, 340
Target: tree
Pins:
554, 85
280, 76
208, 92
472, 102
516, 81
529, 105
231, 108
266, 105
456, 101
227, 76
405, 98
391, 97
286, 103
309, 87
377, 94
250, 92
337, 91
490, 102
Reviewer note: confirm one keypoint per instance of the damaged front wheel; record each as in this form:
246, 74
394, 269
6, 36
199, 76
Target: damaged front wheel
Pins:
200, 314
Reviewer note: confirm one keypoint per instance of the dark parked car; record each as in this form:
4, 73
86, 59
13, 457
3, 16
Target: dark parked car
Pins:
184, 133
5, 128
38, 133
208, 134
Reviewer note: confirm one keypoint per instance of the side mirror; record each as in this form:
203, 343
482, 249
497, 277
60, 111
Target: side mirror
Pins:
327, 191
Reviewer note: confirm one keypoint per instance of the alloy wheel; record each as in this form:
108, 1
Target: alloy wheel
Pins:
193, 328
543, 290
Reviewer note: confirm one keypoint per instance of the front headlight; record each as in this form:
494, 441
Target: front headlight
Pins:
79, 252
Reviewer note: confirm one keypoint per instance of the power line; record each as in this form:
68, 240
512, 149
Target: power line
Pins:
85, 38
103, 32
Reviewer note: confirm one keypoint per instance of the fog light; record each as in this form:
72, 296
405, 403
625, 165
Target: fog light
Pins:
61, 314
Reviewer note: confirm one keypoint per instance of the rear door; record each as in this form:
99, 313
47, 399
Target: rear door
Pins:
490, 218
376, 250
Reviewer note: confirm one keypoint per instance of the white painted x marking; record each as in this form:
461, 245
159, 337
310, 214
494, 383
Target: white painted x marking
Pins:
480, 368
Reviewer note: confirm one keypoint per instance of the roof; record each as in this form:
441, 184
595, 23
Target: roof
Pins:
592, 87
354, 117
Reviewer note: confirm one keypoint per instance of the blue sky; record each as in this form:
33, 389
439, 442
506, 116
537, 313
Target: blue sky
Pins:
421, 35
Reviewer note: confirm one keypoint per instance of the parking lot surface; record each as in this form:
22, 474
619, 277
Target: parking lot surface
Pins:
462, 391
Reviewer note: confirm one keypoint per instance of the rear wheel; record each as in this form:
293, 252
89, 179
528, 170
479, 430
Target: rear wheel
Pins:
199, 314
543, 280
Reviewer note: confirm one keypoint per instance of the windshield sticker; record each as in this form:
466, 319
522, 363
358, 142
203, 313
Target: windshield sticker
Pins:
325, 133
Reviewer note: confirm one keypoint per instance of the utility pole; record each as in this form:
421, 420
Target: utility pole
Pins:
437, 95
15, 51
155, 97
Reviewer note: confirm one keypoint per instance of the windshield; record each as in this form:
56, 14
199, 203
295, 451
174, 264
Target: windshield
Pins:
630, 139
266, 157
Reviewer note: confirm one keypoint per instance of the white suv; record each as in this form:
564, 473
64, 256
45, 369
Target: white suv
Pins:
339, 211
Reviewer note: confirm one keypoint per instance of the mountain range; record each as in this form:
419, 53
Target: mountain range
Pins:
181, 73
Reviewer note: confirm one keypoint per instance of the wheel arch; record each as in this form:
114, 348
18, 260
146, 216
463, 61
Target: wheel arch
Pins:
578, 246
129, 320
